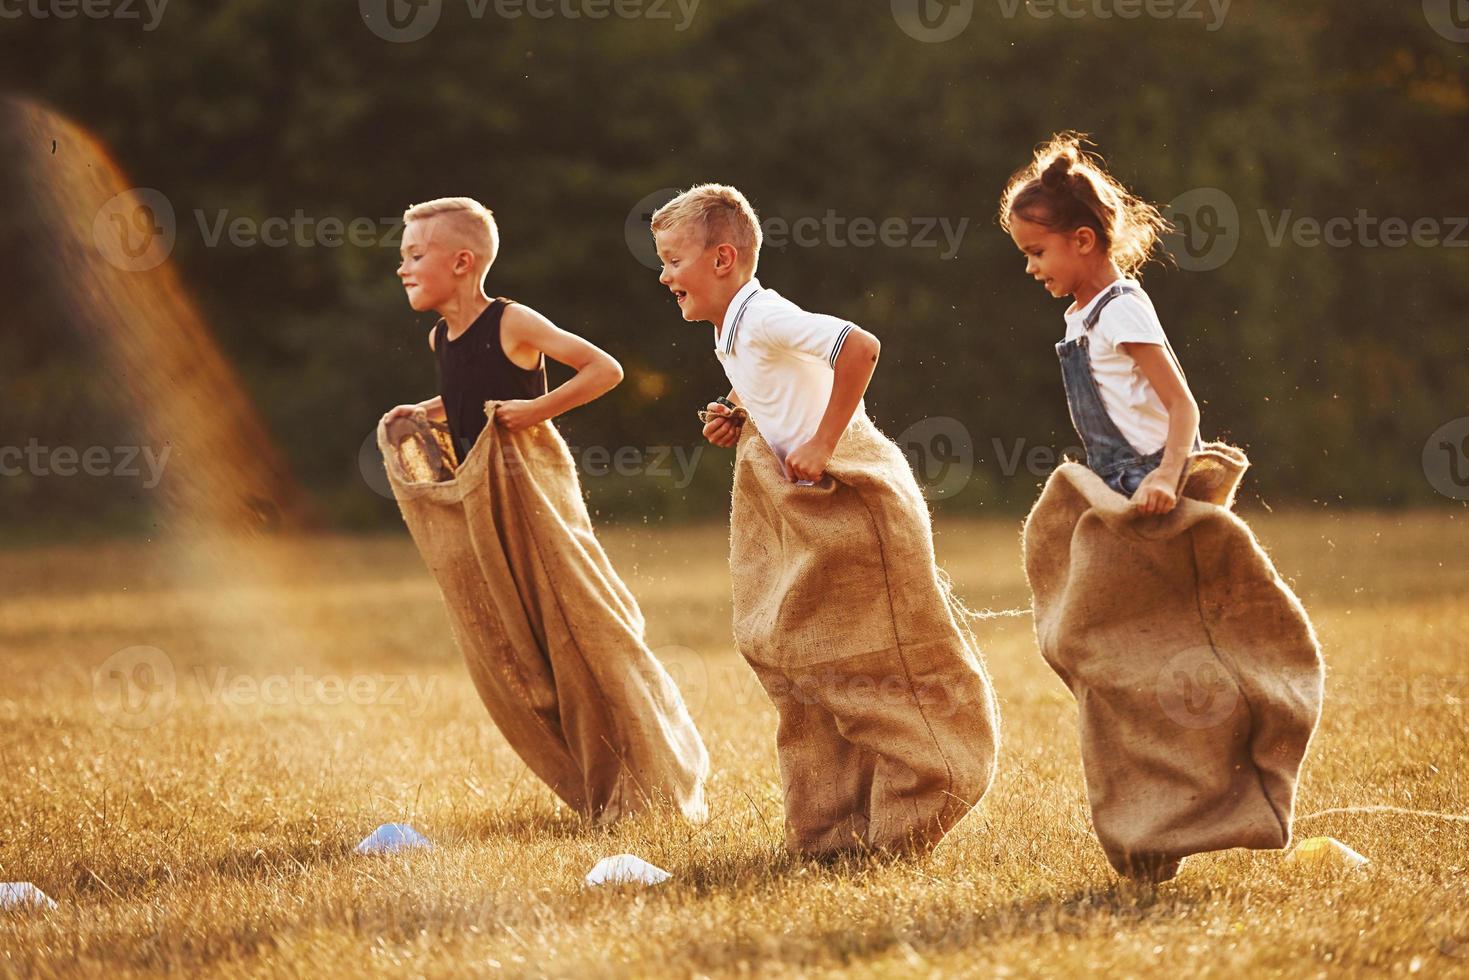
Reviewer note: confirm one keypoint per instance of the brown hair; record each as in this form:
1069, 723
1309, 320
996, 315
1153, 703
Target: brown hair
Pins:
1065, 188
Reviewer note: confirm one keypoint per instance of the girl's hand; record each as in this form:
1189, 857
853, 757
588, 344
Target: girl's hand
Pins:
519, 414
1156, 494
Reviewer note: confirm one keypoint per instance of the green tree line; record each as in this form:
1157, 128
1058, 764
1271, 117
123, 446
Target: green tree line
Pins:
876, 157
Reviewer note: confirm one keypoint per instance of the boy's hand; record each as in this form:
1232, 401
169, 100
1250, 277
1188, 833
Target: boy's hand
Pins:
1156, 494
721, 431
519, 414
808, 461
401, 411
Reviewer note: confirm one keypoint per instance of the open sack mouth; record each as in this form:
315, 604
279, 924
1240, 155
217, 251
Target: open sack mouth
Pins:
424, 450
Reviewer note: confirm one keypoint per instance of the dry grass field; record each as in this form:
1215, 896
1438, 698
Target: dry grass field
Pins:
193, 806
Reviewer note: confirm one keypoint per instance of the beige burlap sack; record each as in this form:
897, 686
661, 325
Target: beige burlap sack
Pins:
1196, 672
552, 636
888, 728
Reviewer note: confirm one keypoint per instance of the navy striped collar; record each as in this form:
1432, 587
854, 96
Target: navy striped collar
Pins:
737, 307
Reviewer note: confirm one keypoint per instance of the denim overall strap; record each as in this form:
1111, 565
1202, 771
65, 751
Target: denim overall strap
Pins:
1107, 450
1109, 454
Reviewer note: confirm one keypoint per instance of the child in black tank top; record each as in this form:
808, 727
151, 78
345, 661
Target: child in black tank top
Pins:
480, 343
474, 369
552, 636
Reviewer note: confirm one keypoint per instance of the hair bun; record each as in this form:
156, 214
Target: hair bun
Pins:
1057, 173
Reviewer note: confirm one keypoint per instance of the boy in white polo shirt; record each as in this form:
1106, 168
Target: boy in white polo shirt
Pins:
887, 721
786, 360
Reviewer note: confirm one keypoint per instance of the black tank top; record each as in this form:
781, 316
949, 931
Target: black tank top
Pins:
473, 369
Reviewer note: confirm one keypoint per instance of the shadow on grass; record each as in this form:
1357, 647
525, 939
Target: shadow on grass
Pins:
939, 931
719, 870
527, 824
246, 864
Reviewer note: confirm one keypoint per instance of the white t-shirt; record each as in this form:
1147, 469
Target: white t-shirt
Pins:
1129, 398
779, 360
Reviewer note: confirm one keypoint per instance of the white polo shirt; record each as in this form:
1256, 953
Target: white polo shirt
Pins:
779, 360
1129, 398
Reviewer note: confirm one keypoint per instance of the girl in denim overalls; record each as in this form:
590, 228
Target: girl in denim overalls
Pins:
1085, 236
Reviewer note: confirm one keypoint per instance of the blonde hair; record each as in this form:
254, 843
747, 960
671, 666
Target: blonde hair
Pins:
721, 212
469, 222
1065, 188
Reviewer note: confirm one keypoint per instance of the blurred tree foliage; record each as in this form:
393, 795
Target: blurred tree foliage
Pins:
1332, 365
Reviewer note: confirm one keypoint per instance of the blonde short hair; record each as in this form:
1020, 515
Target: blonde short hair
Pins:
469, 222
722, 213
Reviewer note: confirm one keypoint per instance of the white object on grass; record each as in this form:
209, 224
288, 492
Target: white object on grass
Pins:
391, 838
1325, 852
15, 894
625, 869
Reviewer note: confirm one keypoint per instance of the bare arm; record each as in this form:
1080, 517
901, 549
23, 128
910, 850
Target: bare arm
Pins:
1158, 493
854, 369
435, 408
523, 330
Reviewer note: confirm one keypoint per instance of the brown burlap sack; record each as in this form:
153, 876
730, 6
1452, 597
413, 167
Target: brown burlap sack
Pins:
888, 727
552, 636
1196, 671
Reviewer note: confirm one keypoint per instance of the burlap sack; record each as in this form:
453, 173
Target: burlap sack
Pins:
888, 727
1196, 671
552, 636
